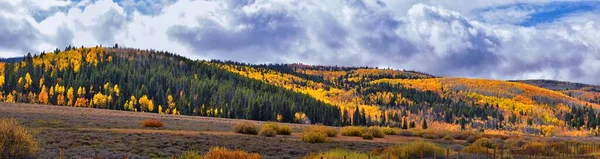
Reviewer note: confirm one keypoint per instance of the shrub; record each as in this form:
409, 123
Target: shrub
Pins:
16, 141
279, 129
329, 131
152, 123
376, 132
430, 136
314, 137
480, 146
414, 149
284, 130
352, 131
336, 153
472, 139
246, 128
368, 135
268, 132
405, 133
221, 153
463, 135
448, 138
389, 131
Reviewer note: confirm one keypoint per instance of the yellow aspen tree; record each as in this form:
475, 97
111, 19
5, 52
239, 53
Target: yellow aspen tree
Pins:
100, 100
10, 98
171, 103
130, 104
116, 89
1, 81
25, 82
43, 96
70, 96
146, 104
41, 82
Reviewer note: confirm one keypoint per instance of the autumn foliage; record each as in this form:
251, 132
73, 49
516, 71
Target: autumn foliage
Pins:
221, 153
16, 141
153, 123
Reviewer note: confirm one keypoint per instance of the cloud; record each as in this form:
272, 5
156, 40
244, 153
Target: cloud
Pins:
21, 36
486, 39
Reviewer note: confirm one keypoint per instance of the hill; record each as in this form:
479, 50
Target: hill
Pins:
162, 82
586, 92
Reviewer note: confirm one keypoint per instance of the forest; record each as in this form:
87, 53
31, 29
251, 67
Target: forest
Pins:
162, 82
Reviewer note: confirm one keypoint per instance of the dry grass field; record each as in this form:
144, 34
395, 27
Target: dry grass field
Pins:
92, 133
86, 133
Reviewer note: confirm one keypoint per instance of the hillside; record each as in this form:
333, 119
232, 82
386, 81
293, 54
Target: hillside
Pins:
586, 92
162, 82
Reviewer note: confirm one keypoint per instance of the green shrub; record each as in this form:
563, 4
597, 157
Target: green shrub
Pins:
329, 131
352, 131
414, 149
284, 130
389, 131
336, 153
367, 135
314, 137
480, 146
268, 132
376, 132
16, 141
246, 128
279, 129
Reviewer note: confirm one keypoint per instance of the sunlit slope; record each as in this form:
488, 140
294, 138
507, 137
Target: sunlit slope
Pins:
518, 98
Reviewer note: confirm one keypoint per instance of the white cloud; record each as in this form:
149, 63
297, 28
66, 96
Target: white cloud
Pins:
438, 37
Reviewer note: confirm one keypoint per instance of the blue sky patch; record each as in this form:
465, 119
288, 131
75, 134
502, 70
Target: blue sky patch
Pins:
542, 13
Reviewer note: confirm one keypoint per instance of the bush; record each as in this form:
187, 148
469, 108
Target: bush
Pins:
352, 131
221, 153
448, 138
480, 146
329, 131
284, 130
279, 129
367, 135
16, 141
430, 136
376, 132
152, 123
314, 137
336, 153
389, 131
405, 133
464, 135
414, 149
246, 128
268, 132
473, 138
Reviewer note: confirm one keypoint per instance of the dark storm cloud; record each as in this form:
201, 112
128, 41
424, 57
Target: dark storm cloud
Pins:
261, 35
18, 35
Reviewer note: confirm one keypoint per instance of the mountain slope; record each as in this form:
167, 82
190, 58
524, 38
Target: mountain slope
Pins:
162, 82
585, 92
151, 81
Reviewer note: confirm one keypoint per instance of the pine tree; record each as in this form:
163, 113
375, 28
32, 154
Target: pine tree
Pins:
424, 124
356, 117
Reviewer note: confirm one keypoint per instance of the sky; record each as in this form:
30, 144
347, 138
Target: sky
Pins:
508, 39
